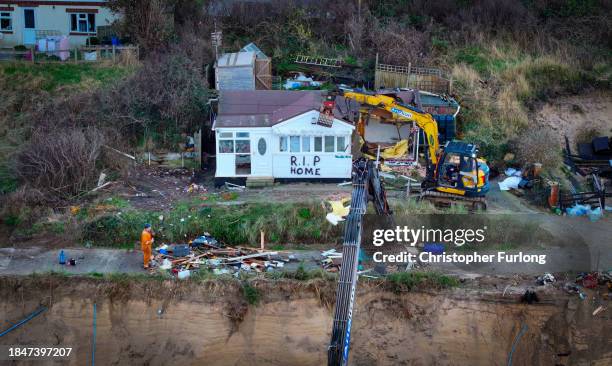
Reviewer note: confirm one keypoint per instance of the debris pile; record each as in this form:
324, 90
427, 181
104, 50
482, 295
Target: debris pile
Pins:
205, 252
331, 260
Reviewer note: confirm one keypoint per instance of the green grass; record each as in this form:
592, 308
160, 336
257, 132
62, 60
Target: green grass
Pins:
54, 76
251, 294
8, 183
406, 281
233, 225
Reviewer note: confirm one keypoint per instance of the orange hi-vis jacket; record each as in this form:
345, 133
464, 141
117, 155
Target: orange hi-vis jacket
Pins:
146, 241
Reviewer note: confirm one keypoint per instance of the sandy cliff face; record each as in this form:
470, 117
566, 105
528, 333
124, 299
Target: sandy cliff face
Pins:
197, 325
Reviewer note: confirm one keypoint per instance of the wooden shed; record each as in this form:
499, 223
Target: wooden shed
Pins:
249, 69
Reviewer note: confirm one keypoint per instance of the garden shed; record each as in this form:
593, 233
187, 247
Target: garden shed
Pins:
249, 69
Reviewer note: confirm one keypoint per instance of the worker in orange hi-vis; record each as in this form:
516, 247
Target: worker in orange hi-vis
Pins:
146, 243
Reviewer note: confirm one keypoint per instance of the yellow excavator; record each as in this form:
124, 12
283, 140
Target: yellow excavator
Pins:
454, 171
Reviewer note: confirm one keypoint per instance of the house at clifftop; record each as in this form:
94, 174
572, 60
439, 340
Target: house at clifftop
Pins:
268, 135
24, 22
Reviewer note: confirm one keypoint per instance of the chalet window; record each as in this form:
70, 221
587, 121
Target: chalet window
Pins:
329, 143
294, 143
282, 144
83, 23
261, 146
6, 21
239, 145
226, 146
340, 144
318, 144
305, 143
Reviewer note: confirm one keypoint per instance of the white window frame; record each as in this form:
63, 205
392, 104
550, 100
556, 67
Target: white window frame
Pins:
7, 15
87, 23
333, 149
234, 137
341, 148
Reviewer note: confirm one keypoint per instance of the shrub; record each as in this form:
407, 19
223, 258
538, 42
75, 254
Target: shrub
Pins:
537, 145
61, 163
251, 294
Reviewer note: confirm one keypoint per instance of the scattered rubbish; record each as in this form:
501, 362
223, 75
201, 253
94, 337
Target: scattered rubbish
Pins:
511, 172
194, 187
166, 264
598, 310
205, 240
509, 183
184, 274
180, 250
205, 251
234, 187
332, 260
585, 210
588, 280
301, 81
339, 210
545, 279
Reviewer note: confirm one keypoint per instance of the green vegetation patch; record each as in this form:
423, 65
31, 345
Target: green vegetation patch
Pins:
233, 225
56, 75
406, 281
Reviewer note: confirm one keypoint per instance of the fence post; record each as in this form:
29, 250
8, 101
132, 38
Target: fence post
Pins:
32, 53
113, 53
76, 55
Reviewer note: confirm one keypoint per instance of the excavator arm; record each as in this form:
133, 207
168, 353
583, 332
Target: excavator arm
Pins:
366, 186
406, 113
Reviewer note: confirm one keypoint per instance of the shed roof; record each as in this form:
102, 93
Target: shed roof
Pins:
252, 47
236, 59
266, 108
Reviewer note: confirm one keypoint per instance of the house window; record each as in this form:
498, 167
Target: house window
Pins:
282, 144
261, 146
226, 143
6, 22
294, 143
318, 144
226, 146
83, 23
305, 143
239, 145
329, 143
340, 144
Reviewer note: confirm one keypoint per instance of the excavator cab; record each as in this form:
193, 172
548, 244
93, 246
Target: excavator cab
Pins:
460, 171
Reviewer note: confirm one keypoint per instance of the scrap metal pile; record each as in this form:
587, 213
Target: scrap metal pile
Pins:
205, 252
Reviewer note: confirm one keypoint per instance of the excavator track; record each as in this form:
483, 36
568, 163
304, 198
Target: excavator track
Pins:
448, 199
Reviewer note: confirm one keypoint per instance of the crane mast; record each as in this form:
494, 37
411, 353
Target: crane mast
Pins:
366, 184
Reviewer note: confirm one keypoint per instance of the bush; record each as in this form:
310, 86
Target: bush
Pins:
537, 145
61, 163
251, 294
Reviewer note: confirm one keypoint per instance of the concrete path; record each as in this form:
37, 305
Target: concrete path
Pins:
24, 261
